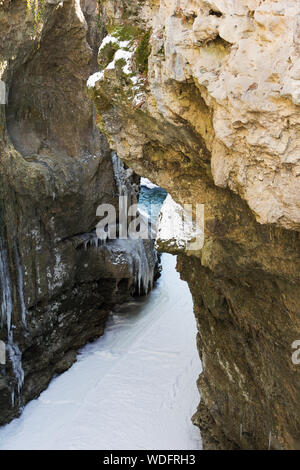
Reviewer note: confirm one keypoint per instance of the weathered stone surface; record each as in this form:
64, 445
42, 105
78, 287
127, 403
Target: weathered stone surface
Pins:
247, 77
214, 119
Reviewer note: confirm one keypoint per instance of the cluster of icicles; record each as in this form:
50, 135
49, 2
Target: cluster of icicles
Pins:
141, 268
144, 273
137, 259
12, 348
144, 277
136, 255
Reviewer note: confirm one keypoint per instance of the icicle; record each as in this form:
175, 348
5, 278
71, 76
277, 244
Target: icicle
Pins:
95, 240
125, 185
120, 174
144, 273
91, 239
2, 354
15, 356
140, 267
20, 284
270, 440
6, 295
13, 349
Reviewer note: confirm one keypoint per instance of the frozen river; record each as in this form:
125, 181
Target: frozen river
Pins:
134, 388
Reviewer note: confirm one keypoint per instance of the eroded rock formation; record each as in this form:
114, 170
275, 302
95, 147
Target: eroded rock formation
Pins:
57, 282
202, 97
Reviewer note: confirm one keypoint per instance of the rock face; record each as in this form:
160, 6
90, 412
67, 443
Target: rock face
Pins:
57, 283
202, 98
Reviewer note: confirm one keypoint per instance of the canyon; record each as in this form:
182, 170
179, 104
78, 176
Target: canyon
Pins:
59, 283
142, 370
202, 97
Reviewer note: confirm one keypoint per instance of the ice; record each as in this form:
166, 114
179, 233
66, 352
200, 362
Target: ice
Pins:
139, 263
135, 387
144, 272
14, 352
91, 239
20, 284
122, 177
2, 353
5, 284
120, 174
15, 356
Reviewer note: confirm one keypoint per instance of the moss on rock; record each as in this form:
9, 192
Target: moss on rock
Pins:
143, 52
107, 54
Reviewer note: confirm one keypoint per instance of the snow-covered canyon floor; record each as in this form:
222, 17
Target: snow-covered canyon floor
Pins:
134, 388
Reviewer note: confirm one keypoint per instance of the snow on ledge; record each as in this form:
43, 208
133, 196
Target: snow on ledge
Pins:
124, 52
93, 79
148, 184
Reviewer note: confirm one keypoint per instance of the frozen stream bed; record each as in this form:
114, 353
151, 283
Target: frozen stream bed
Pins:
134, 388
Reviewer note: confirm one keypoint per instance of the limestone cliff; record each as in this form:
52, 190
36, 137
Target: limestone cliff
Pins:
57, 283
202, 97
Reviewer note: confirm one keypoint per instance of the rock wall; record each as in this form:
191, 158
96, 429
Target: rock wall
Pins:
202, 97
57, 282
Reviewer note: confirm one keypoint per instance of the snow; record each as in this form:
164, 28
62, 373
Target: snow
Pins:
93, 79
122, 55
109, 39
134, 388
148, 184
125, 51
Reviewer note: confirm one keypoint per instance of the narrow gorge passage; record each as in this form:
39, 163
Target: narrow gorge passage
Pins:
201, 97
134, 388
